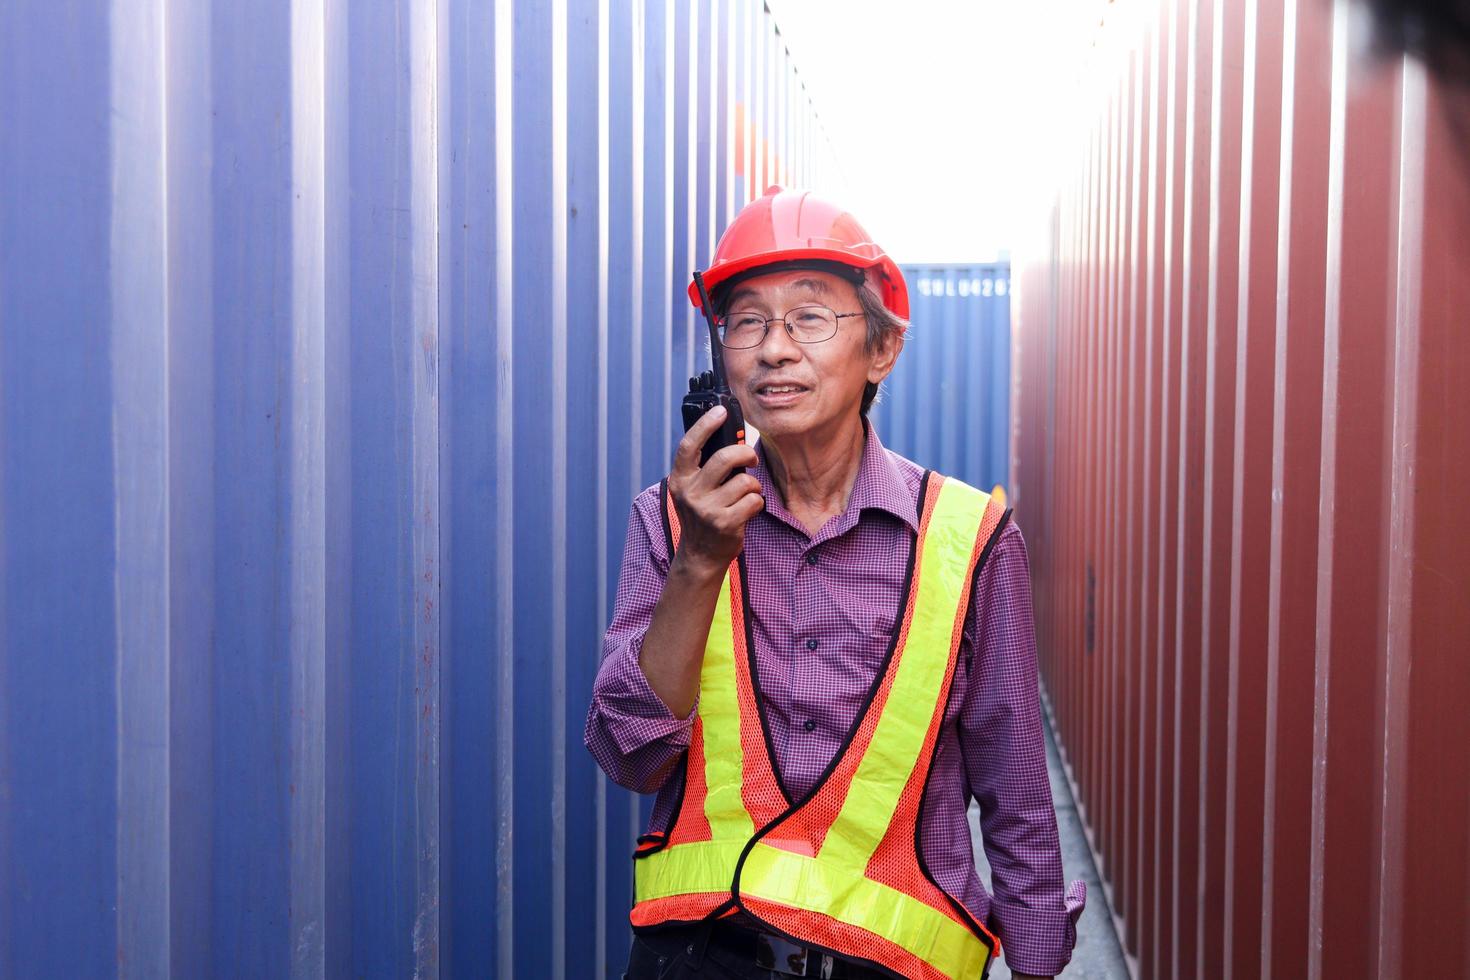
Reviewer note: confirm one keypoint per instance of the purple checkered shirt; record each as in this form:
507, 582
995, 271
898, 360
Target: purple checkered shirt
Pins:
824, 609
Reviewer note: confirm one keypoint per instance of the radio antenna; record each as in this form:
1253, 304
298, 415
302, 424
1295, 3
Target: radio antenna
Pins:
716, 349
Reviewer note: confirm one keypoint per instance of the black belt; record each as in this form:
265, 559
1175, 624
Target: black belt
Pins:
771, 952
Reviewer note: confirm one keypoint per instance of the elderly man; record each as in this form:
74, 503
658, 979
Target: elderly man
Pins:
817, 663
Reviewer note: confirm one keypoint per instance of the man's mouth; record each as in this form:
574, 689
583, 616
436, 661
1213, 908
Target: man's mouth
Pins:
776, 395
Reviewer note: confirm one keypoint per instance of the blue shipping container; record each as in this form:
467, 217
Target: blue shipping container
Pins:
334, 341
947, 404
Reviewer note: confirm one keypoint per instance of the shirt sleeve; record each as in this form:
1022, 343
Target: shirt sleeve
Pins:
1005, 763
630, 732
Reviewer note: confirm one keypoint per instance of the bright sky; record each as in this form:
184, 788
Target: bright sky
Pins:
944, 113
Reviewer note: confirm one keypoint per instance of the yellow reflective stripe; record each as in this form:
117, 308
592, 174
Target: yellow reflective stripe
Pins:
818, 885
943, 562
686, 869
719, 712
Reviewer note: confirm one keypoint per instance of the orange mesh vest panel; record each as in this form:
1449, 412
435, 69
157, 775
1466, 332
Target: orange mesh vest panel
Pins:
838, 868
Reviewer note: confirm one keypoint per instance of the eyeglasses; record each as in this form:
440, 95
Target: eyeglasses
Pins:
806, 325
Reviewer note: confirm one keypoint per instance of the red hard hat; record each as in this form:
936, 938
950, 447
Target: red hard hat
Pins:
790, 225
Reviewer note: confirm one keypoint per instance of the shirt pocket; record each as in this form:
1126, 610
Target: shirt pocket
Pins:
883, 623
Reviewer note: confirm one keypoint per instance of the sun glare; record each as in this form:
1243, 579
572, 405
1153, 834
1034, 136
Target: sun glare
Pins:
945, 117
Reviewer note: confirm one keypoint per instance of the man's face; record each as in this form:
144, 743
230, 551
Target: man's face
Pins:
790, 389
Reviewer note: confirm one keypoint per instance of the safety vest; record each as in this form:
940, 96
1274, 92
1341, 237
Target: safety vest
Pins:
838, 868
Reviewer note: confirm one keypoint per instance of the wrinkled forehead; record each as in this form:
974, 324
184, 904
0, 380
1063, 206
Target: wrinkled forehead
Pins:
787, 288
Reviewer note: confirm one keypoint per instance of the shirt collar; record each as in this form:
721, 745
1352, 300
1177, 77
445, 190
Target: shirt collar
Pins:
879, 485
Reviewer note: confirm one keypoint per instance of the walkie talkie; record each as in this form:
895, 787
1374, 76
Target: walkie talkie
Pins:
711, 388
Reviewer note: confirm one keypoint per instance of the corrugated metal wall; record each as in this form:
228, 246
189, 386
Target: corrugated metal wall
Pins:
334, 342
1241, 464
947, 403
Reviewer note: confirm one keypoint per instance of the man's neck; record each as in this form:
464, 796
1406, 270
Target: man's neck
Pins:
815, 475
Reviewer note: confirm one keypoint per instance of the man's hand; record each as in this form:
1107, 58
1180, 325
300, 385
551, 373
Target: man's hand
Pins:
712, 519
712, 511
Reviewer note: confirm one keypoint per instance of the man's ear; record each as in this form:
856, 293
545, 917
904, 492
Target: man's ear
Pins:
885, 356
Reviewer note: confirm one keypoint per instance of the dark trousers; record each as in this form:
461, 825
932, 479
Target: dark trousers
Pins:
684, 952
725, 951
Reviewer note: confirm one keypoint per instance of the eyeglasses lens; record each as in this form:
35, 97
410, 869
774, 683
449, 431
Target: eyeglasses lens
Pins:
806, 324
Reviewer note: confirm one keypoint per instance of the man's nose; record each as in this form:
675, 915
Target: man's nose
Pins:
778, 347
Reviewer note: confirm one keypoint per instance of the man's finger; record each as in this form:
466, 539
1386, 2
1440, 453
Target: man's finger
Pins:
686, 455
733, 490
749, 505
721, 463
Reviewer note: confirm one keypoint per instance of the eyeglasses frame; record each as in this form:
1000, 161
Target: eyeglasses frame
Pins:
839, 317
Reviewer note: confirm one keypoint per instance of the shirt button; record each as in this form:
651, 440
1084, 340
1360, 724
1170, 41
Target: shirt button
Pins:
809, 725
811, 558
812, 643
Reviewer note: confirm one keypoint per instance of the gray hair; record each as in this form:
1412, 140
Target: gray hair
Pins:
882, 323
